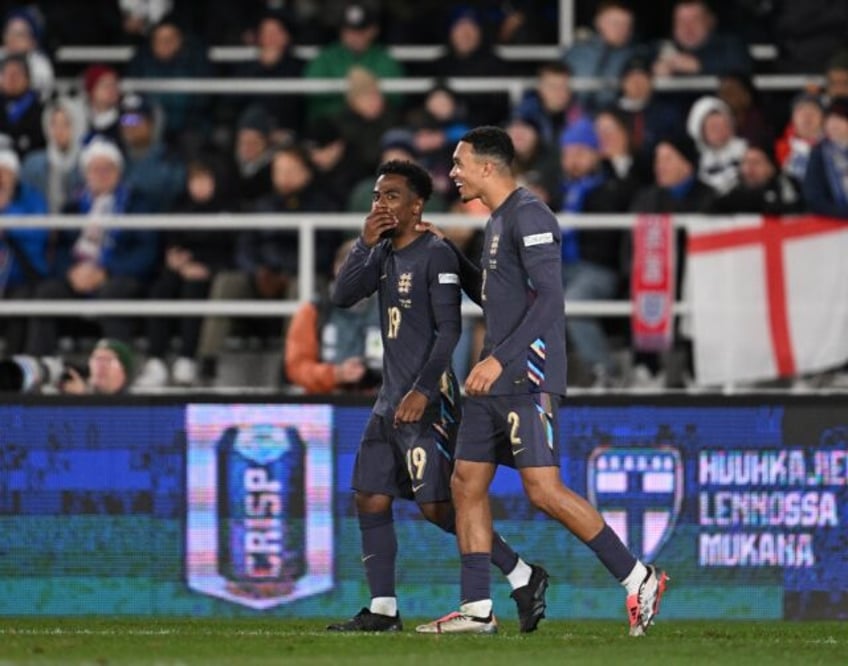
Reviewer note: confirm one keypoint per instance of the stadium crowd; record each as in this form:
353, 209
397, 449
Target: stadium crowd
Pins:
626, 147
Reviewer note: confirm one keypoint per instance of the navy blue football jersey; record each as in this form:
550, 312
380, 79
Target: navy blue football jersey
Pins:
419, 296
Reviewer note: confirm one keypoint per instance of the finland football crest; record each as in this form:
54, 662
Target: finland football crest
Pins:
639, 492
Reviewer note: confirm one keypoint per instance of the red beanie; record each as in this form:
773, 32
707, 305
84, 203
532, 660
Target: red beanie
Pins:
94, 73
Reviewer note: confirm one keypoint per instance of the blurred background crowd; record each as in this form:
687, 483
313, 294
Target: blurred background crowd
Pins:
96, 148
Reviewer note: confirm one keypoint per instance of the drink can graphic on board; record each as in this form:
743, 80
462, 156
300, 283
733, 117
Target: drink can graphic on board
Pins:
261, 508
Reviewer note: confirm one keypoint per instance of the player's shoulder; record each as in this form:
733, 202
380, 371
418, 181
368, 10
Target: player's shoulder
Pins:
440, 255
531, 213
435, 245
526, 202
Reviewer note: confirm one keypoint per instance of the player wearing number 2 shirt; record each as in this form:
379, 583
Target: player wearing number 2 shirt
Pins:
407, 447
511, 413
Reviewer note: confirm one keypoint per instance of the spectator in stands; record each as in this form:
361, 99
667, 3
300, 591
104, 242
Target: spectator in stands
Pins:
710, 124
625, 170
103, 99
396, 144
443, 104
358, 46
552, 103
470, 54
150, 170
110, 371
267, 259
536, 163
762, 187
696, 47
22, 35
836, 75
337, 166
140, 16
604, 53
275, 60
23, 252
54, 171
365, 117
330, 349
296, 189
171, 53
590, 259
253, 157
649, 116
826, 179
437, 125
21, 109
804, 130
677, 189
95, 261
738, 92
192, 259
515, 22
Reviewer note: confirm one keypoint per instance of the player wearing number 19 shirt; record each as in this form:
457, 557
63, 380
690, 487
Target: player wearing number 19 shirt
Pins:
407, 448
511, 413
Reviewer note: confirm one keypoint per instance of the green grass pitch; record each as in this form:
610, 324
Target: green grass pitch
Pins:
245, 642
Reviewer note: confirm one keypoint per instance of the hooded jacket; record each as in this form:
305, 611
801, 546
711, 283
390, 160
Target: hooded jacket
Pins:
718, 166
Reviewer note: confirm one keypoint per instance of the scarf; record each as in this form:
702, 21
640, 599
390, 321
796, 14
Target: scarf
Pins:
60, 167
93, 241
16, 108
573, 200
101, 120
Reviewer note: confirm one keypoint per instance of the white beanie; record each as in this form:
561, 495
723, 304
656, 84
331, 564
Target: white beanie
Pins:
9, 160
99, 147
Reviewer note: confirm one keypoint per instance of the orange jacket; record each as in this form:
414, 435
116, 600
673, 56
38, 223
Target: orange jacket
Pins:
303, 353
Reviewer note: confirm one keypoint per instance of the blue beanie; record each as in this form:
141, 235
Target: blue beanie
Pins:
31, 18
579, 133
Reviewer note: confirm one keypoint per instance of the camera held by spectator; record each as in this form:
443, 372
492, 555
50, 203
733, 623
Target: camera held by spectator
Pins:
30, 374
110, 371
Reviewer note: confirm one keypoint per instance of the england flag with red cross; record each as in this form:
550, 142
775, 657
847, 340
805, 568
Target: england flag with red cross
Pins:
769, 296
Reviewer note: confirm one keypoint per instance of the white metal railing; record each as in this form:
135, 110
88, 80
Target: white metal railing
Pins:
512, 85
306, 225
236, 54
409, 53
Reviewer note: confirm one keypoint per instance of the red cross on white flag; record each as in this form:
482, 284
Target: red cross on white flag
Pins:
769, 297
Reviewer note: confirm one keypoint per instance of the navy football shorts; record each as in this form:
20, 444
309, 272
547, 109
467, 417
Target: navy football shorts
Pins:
514, 430
412, 461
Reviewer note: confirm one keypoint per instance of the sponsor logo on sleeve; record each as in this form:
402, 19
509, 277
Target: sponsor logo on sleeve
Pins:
448, 278
538, 239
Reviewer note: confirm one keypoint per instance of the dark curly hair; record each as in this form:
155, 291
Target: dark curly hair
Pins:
417, 178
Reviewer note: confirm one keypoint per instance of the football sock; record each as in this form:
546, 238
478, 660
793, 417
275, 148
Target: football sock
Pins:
634, 579
379, 550
503, 556
482, 608
475, 578
520, 575
612, 553
384, 606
